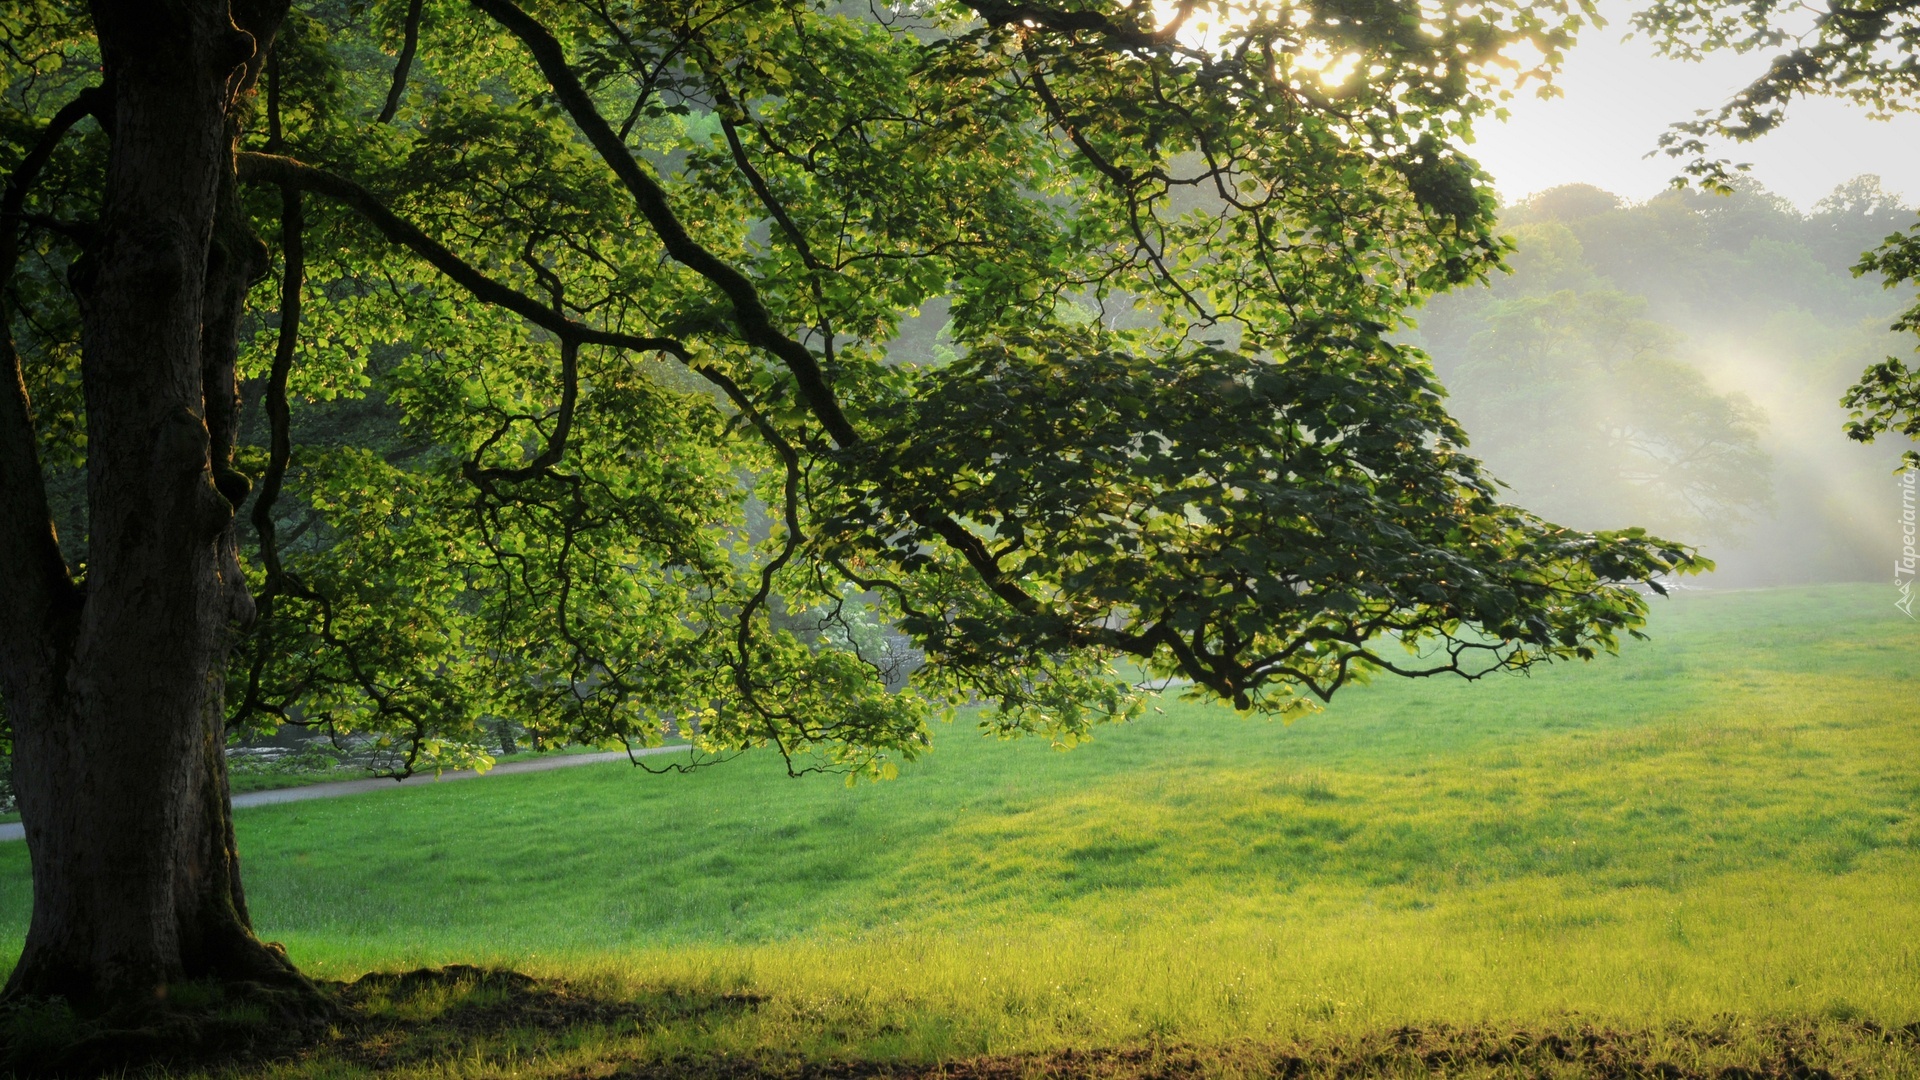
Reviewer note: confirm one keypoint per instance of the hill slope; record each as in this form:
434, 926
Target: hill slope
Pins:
1723, 820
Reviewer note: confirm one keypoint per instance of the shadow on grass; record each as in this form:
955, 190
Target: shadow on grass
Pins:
377, 1023
436, 1013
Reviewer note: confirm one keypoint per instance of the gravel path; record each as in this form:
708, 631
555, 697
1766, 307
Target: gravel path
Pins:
15, 831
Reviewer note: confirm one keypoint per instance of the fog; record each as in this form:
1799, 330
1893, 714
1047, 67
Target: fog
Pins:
1677, 364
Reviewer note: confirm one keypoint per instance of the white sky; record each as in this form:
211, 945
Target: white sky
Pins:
1619, 97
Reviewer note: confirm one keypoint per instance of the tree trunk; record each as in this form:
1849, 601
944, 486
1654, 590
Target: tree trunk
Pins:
116, 693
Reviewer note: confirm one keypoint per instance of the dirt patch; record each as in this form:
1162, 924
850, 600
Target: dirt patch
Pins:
1738, 1051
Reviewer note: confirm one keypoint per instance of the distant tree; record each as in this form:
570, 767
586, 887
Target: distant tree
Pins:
1702, 259
1857, 215
556, 301
1748, 302
1861, 52
1583, 406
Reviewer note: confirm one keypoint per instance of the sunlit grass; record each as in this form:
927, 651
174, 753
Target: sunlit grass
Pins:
1725, 820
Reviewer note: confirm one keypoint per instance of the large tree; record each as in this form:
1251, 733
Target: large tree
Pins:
578, 365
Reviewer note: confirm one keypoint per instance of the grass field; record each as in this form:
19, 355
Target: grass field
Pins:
1719, 827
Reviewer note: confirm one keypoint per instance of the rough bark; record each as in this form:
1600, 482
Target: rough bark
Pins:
114, 688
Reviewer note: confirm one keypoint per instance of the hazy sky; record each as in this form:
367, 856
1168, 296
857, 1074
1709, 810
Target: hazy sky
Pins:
1620, 97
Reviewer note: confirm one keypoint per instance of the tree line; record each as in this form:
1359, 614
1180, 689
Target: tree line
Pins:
1680, 363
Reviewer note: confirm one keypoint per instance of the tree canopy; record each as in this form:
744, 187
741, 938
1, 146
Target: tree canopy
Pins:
589, 391
391, 368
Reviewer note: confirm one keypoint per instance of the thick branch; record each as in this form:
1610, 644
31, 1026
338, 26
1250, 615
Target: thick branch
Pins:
33, 575
280, 446
1123, 178
404, 64
280, 442
273, 169
750, 311
556, 447
765, 193
1074, 23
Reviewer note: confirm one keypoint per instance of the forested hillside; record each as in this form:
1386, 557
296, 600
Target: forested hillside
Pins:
1677, 364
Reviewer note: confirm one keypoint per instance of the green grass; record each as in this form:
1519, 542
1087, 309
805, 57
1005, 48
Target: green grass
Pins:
1725, 820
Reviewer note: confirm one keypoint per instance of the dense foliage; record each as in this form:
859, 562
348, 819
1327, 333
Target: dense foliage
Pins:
587, 387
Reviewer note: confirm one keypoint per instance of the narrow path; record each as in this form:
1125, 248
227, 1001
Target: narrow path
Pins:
16, 831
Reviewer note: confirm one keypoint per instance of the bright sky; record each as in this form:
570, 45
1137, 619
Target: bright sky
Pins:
1619, 97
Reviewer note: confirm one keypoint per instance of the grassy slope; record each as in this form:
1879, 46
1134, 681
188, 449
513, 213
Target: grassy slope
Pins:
1724, 820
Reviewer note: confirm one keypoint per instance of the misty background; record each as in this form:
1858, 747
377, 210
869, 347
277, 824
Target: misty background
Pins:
1677, 363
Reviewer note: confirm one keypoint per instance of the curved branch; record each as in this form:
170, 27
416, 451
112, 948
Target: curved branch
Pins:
1127, 182
36, 578
556, 442
292, 280
274, 169
404, 64
295, 175
279, 439
790, 494
750, 311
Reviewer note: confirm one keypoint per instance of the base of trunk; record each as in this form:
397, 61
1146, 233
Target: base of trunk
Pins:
228, 954
202, 1021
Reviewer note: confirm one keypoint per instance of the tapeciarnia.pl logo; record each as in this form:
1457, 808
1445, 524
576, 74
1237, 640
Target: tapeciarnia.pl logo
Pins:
1903, 567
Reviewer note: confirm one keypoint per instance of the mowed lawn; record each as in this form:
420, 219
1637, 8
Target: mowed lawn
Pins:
1723, 820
